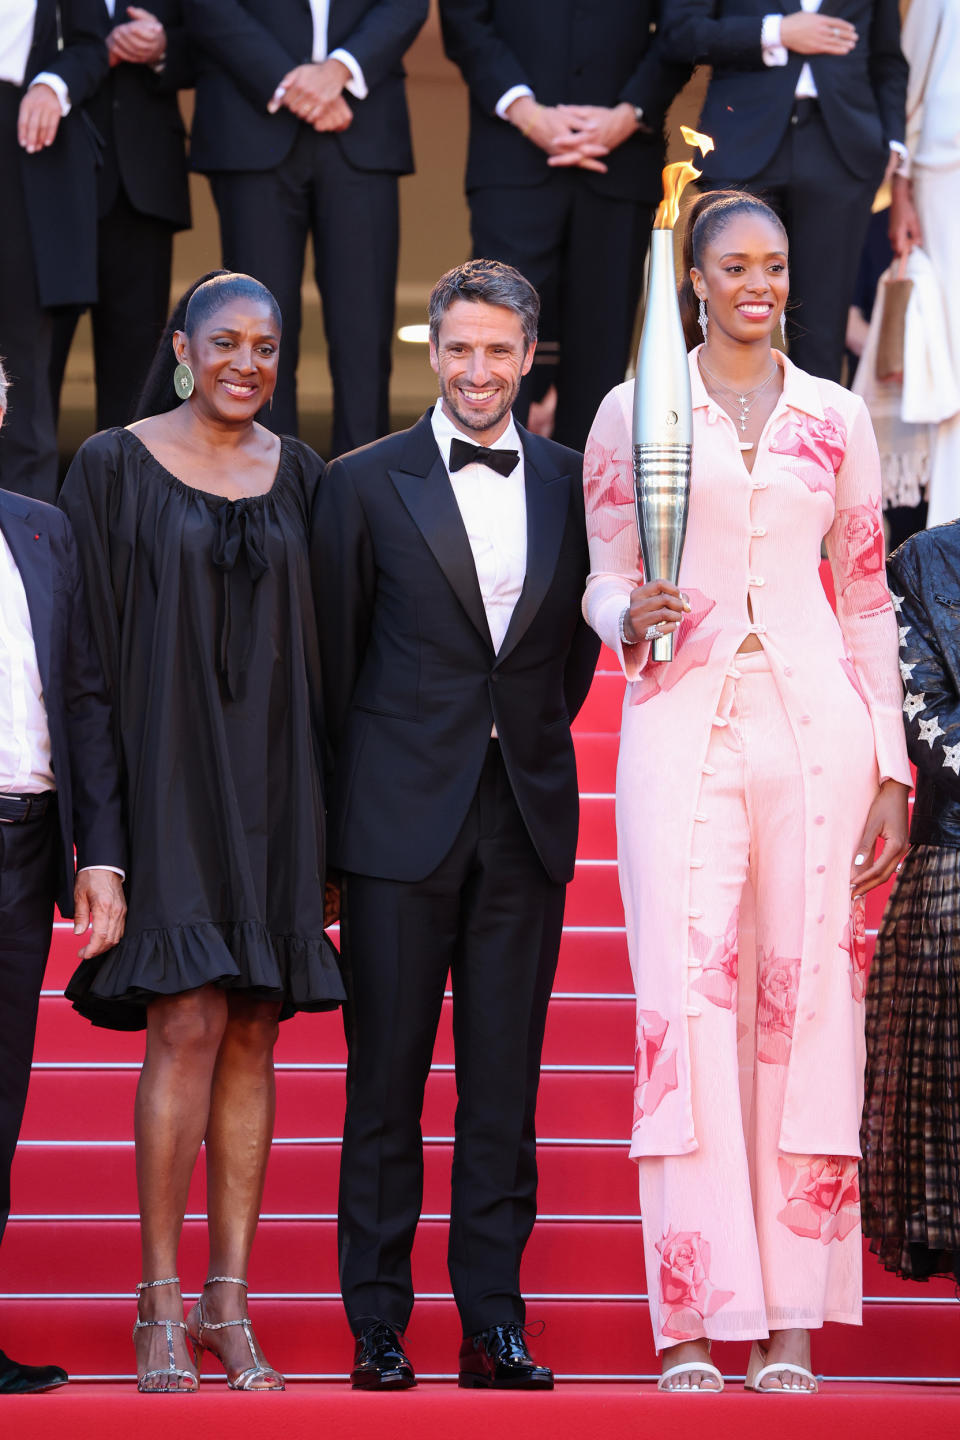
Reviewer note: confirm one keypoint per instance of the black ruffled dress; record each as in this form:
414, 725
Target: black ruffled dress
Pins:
203, 613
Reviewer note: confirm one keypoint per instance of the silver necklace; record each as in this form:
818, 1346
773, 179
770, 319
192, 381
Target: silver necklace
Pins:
746, 399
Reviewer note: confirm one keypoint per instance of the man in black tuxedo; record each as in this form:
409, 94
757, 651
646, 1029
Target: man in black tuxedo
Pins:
807, 109
563, 170
455, 656
52, 58
301, 125
55, 721
142, 200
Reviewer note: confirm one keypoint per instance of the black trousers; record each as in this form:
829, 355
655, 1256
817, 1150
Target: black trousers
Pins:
28, 440
584, 252
826, 211
28, 877
134, 257
353, 218
490, 917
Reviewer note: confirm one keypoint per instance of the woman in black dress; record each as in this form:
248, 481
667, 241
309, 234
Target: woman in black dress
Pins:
194, 530
911, 1121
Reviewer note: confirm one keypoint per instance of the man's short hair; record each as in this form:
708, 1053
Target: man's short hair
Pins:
491, 283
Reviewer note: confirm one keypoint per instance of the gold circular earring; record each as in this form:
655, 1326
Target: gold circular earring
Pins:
183, 381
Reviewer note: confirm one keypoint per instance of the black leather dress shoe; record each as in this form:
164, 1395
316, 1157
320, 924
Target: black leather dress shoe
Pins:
26, 1379
380, 1361
498, 1359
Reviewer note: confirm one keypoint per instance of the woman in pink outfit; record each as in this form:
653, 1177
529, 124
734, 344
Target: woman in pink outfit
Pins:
757, 771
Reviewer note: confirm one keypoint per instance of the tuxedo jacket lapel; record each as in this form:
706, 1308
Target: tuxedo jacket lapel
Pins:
30, 546
547, 496
424, 487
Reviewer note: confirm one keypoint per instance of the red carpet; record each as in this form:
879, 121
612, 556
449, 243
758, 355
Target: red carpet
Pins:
441, 1412
70, 1260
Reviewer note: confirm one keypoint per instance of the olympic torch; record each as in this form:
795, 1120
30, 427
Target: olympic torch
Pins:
662, 403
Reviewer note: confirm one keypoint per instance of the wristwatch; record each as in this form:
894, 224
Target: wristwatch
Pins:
624, 639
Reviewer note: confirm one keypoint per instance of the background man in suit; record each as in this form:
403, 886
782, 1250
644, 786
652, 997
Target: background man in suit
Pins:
54, 722
563, 169
142, 199
806, 109
451, 575
48, 232
301, 124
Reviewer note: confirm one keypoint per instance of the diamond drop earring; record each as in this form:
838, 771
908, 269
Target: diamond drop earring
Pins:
783, 324
183, 381
702, 318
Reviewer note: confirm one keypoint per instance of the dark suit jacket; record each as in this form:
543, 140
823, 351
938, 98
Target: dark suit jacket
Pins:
74, 693
411, 681
747, 110
137, 116
58, 182
596, 53
244, 49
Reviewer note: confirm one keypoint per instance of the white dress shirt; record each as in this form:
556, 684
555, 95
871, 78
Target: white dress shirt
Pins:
25, 765
494, 511
16, 37
320, 10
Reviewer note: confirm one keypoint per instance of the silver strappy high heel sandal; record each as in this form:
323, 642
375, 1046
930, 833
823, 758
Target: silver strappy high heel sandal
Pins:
259, 1370
186, 1381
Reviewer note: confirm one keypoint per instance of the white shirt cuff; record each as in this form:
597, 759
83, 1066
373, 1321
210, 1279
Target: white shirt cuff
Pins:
114, 870
57, 85
774, 53
357, 85
516, 92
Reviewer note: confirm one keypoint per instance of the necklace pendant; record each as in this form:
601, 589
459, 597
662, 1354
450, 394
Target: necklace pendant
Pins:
743, 422
741, 399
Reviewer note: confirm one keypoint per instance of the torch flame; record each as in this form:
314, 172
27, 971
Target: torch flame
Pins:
677, 177
696, 141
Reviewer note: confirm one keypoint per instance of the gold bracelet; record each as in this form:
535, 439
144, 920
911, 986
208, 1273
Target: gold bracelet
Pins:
531, 122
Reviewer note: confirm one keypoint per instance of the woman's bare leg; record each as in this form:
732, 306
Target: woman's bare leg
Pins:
184, 1034
239, 1133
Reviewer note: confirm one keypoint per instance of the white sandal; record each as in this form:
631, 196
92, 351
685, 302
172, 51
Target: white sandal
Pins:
756, 1376
703, 1367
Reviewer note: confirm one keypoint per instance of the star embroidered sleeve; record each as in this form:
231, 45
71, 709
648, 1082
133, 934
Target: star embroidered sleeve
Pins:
855, 546
615, 564
931, 705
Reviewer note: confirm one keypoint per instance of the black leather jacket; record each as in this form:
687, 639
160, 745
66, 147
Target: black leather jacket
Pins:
924, 576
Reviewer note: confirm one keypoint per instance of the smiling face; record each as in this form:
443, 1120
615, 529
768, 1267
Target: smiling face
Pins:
480, 357
744, 278
233, 355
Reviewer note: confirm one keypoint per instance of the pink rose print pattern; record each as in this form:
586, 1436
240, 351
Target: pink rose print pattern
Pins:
818, 446
778, 983
718, 956
854, 941
688, 653
859, 555
609, 491
655, 1071
822, 1195
687, 1294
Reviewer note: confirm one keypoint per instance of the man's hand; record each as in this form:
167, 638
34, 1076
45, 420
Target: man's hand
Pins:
595, 131
542, 125
141, 40
98, 903
314, 93
905, 228
39, 119
808, 34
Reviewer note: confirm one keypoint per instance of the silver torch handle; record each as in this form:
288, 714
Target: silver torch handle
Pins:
662, 427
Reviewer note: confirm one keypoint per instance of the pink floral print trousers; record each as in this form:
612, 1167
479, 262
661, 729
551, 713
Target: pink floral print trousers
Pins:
740, 1238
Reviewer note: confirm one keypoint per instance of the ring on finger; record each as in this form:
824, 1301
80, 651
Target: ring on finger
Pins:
653, 632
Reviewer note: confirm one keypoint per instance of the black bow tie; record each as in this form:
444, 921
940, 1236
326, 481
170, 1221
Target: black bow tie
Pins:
463, 453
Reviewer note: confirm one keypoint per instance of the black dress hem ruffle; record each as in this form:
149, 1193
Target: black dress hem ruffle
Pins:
299, 973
